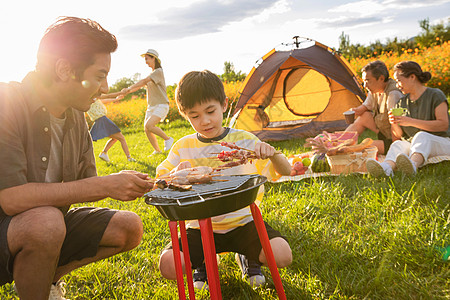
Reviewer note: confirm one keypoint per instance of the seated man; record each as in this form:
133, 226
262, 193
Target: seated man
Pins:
48, 164
373, 113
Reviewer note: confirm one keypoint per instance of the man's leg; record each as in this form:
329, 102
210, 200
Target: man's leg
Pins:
35, 238
123, 233
362, 122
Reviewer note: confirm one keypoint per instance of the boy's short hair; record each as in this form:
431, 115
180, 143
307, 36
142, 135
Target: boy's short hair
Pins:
197, 87
377, 68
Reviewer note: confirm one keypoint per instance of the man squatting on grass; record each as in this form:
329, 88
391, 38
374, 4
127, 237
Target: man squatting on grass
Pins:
201, 99
48, 164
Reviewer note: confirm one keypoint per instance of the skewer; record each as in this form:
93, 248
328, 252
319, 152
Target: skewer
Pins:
234, 146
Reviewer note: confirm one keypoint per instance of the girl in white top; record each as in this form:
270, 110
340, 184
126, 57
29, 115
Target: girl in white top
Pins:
157, 100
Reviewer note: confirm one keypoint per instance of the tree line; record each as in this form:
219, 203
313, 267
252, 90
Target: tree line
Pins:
430, 35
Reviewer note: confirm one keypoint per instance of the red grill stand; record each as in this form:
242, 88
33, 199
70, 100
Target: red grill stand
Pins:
209, 250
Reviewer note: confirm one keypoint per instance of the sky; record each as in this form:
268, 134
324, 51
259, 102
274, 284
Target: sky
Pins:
203, 34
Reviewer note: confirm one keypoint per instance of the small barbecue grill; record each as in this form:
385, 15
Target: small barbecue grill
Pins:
208, 199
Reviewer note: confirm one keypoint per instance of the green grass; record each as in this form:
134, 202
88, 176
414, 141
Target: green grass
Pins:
352, 237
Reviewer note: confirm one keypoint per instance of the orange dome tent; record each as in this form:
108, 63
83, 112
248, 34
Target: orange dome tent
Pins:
297, 93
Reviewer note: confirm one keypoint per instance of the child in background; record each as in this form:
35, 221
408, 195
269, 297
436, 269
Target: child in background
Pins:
201, 100
104, 127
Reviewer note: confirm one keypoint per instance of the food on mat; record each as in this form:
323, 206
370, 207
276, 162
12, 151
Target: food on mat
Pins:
327, 143
319, 163
298, 169
359, 147
306, 161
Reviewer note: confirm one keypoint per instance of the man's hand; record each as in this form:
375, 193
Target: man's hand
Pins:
127, 185
359, 110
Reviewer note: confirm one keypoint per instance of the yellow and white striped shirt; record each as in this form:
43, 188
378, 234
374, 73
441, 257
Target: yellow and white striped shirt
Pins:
199, 153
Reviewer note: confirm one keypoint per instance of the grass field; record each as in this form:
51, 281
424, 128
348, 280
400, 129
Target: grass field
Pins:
353, 237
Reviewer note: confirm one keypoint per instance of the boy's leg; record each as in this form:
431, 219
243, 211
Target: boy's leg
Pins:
166, 259
281, 251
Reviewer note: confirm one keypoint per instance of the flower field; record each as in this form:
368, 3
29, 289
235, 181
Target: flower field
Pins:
131, 113
432, 59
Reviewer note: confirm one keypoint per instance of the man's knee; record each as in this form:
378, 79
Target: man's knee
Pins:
41, 228
128, 229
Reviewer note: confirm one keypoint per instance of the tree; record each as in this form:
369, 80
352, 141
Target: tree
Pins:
433, 34
125, 82
230, 74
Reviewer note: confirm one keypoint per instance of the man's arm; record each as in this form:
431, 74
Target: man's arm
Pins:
393, 98
359, 110
124, 186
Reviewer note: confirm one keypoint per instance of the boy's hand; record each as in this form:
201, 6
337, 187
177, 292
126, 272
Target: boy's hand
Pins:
183, 165
264, 150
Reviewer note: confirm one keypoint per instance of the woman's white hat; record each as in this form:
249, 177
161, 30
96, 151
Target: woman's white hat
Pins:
152, 52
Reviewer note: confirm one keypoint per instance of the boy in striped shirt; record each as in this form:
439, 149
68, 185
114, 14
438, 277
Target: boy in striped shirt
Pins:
201, 100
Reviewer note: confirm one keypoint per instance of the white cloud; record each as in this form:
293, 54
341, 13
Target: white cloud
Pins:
199, 18
376, 7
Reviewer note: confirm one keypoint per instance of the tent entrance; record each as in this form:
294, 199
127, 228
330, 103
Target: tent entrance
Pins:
301, 94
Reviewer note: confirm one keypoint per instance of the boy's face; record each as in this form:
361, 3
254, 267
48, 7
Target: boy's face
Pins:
206, 118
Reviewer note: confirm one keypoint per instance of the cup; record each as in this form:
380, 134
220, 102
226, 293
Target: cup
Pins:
399, 111
349, 116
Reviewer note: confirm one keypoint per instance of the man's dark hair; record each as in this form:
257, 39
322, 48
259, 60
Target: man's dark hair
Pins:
197, 87
377, 68
75, 39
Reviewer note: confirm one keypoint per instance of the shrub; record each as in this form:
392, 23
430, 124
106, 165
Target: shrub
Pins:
431, 59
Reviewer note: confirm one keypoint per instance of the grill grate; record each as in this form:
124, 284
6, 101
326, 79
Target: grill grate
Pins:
204, 190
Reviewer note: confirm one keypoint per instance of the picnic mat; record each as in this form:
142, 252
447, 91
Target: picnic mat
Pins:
310, 174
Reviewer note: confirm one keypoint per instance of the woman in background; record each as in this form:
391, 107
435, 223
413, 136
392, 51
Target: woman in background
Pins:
157, 100
423, 132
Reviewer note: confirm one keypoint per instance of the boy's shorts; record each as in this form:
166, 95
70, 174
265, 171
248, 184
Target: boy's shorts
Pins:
84, 230
160, 110
243, 240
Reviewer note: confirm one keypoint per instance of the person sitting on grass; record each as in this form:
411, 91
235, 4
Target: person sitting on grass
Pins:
373, 113
423, 132
104, 127
48, 164
201, 99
